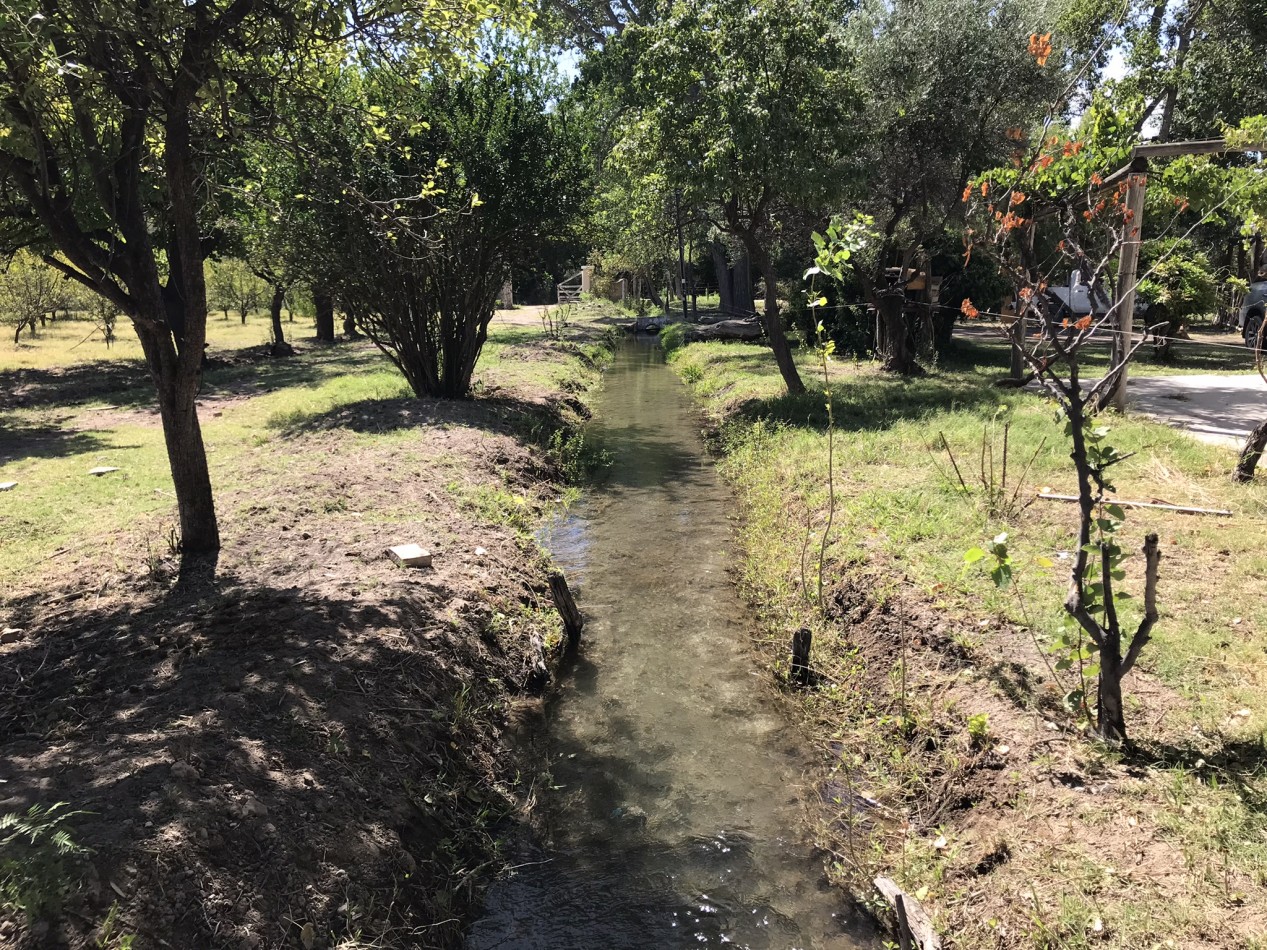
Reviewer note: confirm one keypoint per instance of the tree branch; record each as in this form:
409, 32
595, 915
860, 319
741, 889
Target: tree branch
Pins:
1152, 561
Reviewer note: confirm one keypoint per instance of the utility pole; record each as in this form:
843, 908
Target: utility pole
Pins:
1124, 311
681, 249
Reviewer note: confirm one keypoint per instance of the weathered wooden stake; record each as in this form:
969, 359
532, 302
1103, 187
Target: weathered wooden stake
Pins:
573, 622
905, 941
1251, 453
801, 642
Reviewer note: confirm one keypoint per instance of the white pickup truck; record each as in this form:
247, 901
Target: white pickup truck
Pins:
1074, 299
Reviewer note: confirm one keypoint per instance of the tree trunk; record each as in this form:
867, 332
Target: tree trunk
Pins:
725, 290
279, 346
243, 313
1251, 453
774, 327
741, 281
1110, 716
895, 345
654, 295
349, 328
186, 455
323, 304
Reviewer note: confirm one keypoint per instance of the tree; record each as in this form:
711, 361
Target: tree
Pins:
29, 290
478, 174
121, 129
748, 109
948, 87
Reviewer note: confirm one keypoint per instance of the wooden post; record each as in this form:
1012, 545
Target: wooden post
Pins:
1251, 453
573, 622
801, 642
905, 940
1124, 314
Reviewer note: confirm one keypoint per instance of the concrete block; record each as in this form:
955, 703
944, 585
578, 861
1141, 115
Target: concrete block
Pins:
410, 555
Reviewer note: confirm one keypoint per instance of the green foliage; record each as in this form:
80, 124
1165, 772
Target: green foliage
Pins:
979, 728
466, 178
1178, 278
577, 455
673, 337
36, 848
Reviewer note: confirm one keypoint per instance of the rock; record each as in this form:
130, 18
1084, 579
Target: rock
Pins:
8, 486
184, 772
102, 470
630, 815
11, 635
254, 808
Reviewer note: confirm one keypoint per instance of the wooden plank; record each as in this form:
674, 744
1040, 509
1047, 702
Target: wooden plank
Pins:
911, 915
1181, 509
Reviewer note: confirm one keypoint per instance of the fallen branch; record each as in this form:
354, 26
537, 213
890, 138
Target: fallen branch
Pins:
1181, 509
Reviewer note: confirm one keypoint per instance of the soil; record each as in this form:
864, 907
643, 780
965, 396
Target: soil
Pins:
1011, 807
302, 745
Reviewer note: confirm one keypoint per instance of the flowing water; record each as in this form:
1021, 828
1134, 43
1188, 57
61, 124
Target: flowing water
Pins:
676, 804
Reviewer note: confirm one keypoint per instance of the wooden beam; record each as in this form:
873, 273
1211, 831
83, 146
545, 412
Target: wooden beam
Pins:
1179, 509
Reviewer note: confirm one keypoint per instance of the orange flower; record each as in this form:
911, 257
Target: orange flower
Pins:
1015, 134
967, 193
1017, 197
1083, 323
1040, 48
985, 188
1044, 162
1097, 180
1072, 148
969, 310
1026, 293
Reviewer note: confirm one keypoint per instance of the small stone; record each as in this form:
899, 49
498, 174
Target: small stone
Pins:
254, 808
10, 635
480, 552
1004, 749
1243, 713
8, 486
941, 843
102, 470
184, 772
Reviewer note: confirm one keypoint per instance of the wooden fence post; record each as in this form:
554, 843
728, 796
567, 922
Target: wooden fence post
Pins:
573, 622
801, 642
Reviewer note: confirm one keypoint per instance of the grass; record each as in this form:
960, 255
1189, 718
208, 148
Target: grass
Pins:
59, 511
1198, 710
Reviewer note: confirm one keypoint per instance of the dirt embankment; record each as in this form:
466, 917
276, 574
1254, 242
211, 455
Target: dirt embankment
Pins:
303, 748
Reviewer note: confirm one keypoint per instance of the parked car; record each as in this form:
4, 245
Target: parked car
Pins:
1252, 310
1073, 300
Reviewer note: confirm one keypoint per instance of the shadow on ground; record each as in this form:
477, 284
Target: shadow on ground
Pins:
280, 758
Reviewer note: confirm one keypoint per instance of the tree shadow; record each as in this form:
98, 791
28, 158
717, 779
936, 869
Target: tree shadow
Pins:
871, 403
19, 441
1238, 763
492, 411
248, 759
124, 383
